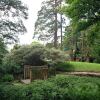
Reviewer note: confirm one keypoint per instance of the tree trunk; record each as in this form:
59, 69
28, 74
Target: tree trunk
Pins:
56, 28
61, 32
61, 25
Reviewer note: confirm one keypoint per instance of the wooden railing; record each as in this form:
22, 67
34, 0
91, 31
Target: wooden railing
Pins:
35, 72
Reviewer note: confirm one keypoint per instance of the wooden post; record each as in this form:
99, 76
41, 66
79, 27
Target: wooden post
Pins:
31, 74
24, 72
28, 76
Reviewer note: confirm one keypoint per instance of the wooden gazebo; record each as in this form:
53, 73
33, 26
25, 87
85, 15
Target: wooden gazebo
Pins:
35, 72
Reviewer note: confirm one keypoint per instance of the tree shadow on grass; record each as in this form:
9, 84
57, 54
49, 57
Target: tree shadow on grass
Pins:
65, 67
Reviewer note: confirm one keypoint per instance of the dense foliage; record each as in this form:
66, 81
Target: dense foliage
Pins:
7, 78
56, 55
35, 55
12, 13
81, 40
3, 50
19, 56
82, 35
57, 88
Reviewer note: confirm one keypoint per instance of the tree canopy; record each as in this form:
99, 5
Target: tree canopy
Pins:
48, 23
85, 25
83, 13
11, 24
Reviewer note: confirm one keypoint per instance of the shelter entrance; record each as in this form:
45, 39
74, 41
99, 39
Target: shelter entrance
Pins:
27, 72
35, 72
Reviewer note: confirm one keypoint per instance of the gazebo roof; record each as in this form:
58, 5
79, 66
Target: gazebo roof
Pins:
29, 66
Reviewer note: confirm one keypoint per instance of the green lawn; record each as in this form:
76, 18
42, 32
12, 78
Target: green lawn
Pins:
79, 66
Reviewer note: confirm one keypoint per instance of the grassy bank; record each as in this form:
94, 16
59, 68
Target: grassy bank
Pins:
79, 66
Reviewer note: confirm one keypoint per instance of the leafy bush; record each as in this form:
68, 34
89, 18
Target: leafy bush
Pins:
3, 49
56, 56
14, 61
34, 55
2, 71
96, 53
26, 54
57, 88
7, 78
